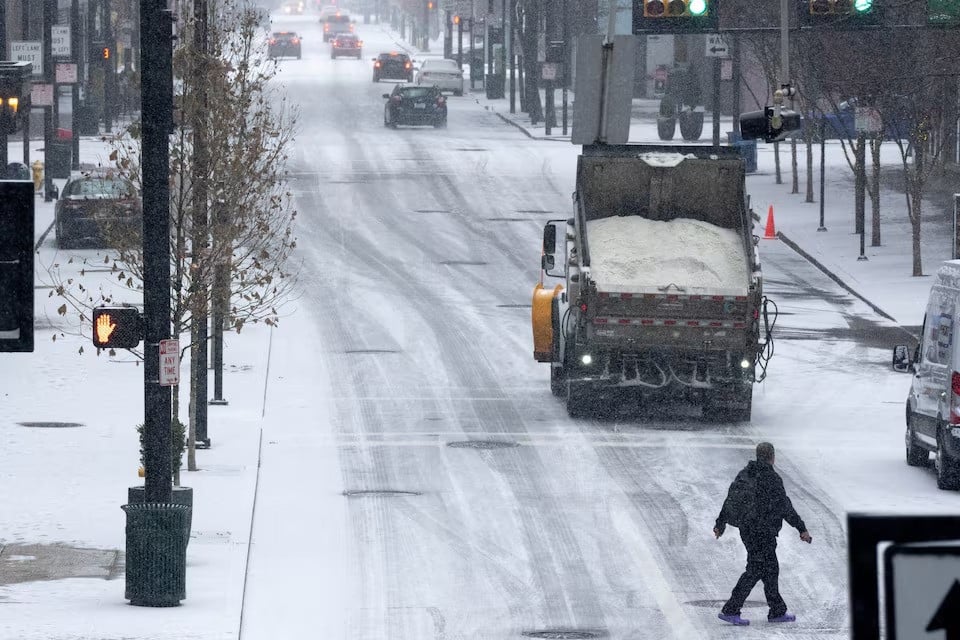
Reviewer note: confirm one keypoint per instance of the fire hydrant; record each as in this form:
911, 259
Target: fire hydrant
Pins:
37, 171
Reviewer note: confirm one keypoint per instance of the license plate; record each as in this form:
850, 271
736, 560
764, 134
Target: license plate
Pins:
419, 106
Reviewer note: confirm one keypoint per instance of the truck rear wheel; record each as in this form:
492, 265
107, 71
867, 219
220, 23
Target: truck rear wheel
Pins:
558, 380
729, 405
578, 399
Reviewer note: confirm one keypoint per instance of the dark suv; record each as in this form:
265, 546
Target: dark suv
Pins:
284, 44
393, 66
346, 44
411, 104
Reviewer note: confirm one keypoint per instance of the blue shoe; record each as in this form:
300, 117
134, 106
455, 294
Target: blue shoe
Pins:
787, 617
734, 619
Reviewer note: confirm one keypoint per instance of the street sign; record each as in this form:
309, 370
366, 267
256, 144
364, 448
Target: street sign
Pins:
923, 590
169, 362
28, 51
66, 72
867, 120
716, 47
41, 95
60, 40
865, 534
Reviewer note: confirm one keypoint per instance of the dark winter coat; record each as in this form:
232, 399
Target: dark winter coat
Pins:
773, 503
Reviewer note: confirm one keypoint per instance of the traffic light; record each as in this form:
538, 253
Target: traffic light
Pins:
851, 14
106, 53
16, 265
763, 125
456, 19
675, 16
117, 328
14, 95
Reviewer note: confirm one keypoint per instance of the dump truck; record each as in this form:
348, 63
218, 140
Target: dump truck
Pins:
660, 290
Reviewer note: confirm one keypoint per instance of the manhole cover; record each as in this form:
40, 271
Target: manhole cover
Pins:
361, 493
560, 634
717, 604
483, 444
50, 425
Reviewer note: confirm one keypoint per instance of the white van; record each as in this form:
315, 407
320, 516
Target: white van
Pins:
933, 406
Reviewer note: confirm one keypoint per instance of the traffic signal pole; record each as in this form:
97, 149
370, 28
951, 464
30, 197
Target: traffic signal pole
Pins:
49, 19
3, 49
156, 36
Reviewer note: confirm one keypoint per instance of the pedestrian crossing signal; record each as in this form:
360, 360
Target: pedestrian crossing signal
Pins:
116, 328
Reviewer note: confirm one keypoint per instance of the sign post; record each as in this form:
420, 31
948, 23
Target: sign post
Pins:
865, 534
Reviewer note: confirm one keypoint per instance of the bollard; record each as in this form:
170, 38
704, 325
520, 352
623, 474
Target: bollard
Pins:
37, 171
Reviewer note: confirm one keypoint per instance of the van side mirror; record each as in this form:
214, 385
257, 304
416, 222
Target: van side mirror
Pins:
901, 359
386, 96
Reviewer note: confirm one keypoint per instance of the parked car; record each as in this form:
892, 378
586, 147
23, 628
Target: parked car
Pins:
933, 403
412, 104
336, 24
443, 73
101, 208
393, 66
346, 44
284, 44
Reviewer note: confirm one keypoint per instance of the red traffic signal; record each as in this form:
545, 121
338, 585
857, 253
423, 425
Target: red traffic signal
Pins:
117, 328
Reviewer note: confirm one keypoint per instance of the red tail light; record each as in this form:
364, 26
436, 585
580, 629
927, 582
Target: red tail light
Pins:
326, 27
376, 64
955, 383
272, 41
440, 101
351, 28
583, 307
397, 99
295, 41
407, 65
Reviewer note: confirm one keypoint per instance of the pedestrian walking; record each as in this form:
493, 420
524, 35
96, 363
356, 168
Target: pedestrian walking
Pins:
757, 504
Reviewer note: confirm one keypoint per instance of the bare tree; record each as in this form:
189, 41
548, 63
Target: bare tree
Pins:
245, 179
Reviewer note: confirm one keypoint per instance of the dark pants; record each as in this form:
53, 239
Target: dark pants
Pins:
762, 565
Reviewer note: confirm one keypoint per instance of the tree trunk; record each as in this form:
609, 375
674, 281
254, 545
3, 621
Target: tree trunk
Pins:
809, 142
529, 39
915, 218
795, 180
776, 161
874, 189
192, 420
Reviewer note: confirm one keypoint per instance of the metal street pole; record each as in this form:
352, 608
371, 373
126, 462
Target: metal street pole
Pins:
565, 36
25, 34
823, 174
716, 102
785, 41
513, 60
221, 296
109, 77
201, 231
49, 19
3, 52
860, 195
75, 89
156, 107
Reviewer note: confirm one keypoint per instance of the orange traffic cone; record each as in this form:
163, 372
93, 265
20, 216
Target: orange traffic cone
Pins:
770, 233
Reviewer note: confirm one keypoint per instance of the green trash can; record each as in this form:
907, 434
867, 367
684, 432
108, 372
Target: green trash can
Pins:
156, 562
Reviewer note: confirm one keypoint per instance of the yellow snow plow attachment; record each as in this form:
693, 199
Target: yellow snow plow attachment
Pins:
543, 322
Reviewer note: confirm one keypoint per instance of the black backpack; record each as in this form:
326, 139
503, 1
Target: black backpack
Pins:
740, 506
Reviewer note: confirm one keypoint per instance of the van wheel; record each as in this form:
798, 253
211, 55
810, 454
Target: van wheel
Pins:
947, 477
917, 456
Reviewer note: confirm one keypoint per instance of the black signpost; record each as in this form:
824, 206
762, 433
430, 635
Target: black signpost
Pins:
865, 533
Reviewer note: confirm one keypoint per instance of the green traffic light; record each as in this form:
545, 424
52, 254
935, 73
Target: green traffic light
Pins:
862, 6
699, 7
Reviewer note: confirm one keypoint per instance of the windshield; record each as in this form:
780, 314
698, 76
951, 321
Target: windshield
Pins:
99, 187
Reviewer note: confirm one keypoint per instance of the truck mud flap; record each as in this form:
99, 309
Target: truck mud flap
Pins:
544, 323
